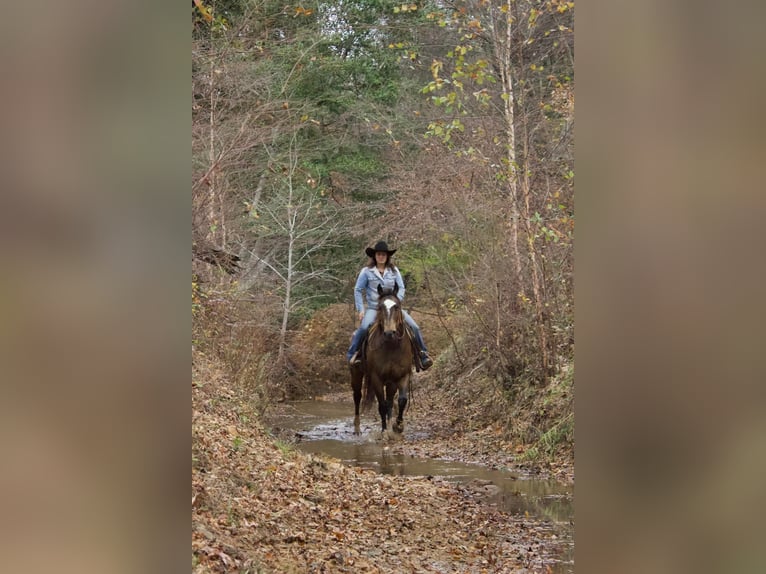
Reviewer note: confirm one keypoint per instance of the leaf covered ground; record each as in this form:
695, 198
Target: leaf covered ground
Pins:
260, 506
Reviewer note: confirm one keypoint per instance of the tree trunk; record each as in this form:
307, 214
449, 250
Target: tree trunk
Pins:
291, 213
503, 55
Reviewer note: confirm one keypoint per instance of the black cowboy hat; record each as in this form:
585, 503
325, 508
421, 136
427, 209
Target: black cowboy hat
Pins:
379, 246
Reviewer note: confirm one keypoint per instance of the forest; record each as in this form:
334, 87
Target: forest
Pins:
445, 129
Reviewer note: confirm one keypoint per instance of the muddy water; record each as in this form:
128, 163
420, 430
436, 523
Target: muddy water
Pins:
327, 428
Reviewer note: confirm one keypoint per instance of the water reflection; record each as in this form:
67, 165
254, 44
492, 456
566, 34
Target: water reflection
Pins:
392, 463
327, 428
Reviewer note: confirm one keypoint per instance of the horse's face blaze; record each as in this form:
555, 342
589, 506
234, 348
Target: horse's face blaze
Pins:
390, 323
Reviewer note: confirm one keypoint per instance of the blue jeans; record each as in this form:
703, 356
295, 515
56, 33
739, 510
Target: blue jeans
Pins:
369, 319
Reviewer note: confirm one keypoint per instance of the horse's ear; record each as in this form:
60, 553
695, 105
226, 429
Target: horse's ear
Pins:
380, 289
396, 288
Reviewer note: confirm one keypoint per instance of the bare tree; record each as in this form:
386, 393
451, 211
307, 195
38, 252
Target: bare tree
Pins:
301, 224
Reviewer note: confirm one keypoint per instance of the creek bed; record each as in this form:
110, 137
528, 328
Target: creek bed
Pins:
324, 427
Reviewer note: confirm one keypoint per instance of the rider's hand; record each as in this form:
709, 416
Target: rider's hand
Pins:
361, 316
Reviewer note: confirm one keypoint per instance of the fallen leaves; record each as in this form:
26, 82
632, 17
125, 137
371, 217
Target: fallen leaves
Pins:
265, 508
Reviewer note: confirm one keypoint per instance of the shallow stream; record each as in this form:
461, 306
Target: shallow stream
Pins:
327, 428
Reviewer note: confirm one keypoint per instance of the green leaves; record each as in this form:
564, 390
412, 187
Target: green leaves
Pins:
444, 130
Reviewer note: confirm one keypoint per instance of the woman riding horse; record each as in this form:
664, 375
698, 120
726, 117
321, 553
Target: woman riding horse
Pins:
380, 271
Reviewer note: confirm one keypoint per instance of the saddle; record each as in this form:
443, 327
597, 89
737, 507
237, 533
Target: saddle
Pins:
408, 332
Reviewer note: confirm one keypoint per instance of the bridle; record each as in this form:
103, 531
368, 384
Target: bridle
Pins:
389, 305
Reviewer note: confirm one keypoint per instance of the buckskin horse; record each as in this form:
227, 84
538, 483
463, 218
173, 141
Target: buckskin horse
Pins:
386, 363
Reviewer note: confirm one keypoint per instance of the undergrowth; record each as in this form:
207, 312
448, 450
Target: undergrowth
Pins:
545, 420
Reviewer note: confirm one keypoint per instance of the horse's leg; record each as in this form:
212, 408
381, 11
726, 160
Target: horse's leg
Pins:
390, 392
357, 376
380, 395
404, 386
382, 409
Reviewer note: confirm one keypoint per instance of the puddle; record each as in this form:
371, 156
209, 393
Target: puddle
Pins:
322, 427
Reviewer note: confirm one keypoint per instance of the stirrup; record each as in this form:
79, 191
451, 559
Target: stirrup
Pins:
425, 361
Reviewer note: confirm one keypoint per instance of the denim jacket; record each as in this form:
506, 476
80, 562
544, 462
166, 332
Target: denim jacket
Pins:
368, 281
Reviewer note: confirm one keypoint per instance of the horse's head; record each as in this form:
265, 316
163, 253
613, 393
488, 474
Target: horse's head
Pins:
390, 316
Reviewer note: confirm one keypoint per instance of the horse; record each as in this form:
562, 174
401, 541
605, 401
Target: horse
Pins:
386, 364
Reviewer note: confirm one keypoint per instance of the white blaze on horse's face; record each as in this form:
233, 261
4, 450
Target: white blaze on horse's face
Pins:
390, 321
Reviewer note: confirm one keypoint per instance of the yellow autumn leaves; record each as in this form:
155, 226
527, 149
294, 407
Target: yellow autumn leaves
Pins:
405, 8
